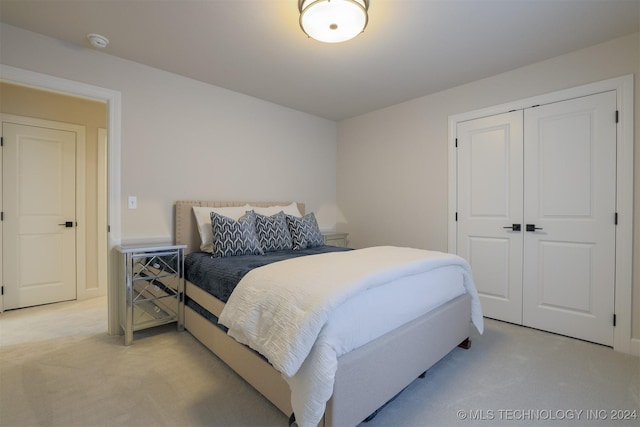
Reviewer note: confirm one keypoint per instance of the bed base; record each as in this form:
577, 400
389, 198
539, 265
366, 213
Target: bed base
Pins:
373, 374
366, 378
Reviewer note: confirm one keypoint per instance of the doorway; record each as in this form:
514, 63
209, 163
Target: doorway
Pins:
112, 99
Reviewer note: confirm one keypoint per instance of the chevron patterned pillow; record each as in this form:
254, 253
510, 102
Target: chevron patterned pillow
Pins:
273, 232
231, 237
304, 231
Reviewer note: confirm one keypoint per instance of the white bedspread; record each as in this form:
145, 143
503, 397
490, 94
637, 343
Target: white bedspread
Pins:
281, 309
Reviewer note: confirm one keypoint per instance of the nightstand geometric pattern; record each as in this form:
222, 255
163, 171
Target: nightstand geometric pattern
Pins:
151, 288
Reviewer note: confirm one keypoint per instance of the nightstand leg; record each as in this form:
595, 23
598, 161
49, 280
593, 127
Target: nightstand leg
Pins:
128, 336
128, 280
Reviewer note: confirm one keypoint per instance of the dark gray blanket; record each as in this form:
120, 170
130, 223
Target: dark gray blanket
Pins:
219, 276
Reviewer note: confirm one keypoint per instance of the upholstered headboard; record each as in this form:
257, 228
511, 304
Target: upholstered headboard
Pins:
186, 229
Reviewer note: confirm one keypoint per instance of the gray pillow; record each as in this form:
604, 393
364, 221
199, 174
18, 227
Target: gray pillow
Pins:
304, 231
273, 232
231, 237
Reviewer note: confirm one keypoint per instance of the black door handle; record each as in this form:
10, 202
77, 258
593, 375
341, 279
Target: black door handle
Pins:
532, 227
67, 224
514, 227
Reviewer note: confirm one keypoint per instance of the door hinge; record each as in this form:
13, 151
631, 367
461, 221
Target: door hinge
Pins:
617, 116
1, 216
614, 320
2, 291
456, 216
615, 219
1, 141
108, 229
456, 142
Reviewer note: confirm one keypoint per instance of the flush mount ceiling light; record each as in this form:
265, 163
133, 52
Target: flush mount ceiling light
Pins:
98, 41
333, 21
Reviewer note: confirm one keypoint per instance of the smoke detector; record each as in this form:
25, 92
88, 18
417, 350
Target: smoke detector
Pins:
98, 41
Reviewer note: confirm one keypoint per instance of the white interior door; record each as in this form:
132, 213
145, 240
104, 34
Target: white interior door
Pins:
570, 198
39, 169
489, 204
551, 169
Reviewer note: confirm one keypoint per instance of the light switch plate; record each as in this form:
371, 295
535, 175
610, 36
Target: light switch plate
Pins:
133, 202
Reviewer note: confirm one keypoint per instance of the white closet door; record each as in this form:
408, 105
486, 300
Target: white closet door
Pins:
570, 190
489, 157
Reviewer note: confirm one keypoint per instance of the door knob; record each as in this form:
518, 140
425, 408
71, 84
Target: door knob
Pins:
67, 224
532, 227
514, 227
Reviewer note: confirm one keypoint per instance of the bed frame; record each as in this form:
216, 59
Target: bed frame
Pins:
366, 378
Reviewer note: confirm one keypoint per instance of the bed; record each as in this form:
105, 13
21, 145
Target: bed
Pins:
365, 378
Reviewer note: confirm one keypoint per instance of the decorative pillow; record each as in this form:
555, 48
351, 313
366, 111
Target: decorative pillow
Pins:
304, 231
203, 219
273, 232
291, 209
231, 237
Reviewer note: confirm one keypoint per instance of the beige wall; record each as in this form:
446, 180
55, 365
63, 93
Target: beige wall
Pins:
184, 139
392, 163
28, 102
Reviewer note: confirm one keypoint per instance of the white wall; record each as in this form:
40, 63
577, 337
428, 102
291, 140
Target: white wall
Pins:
183, 139
392, 163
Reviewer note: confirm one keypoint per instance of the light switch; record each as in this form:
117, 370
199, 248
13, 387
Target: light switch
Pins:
133, 202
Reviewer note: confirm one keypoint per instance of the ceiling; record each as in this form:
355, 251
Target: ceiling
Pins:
410, 48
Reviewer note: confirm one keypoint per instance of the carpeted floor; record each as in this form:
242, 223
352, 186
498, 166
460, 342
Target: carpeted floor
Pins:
58, 367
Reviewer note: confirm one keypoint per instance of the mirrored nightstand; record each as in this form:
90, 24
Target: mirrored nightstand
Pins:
151, 288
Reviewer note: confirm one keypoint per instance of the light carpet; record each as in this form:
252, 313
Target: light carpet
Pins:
58, 367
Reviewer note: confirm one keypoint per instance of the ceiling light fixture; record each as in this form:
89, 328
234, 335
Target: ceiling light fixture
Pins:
333, 21
98, 41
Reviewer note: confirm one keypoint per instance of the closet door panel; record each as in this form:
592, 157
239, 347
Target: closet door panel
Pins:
489, 157
569, 201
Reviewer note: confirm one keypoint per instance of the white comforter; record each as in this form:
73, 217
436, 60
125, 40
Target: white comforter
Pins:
280, 310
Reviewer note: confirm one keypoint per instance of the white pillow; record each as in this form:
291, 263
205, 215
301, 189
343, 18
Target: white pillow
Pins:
291, 209
203, 219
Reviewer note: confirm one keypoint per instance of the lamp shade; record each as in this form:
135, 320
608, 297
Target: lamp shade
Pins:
333, 21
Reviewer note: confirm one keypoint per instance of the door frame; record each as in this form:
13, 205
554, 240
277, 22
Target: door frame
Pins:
624, 87
102, 196
113, 100
80, 178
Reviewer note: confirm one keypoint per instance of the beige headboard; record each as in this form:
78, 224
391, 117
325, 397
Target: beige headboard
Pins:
186, 229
